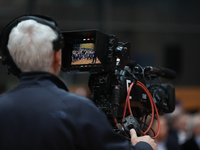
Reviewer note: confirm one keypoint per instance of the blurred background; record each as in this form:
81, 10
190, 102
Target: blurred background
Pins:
161, 33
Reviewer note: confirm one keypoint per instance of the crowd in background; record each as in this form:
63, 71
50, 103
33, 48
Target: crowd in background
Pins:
179, 130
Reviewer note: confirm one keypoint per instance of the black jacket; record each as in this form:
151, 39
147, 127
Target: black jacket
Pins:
190, 144
41, 114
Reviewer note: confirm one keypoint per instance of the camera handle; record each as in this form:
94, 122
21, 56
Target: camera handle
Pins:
129, 123
115, 100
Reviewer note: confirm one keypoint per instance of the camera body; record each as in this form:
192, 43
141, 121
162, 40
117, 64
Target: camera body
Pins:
112, 72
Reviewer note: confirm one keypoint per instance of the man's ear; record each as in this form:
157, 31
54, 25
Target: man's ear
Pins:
56, 63
57, 57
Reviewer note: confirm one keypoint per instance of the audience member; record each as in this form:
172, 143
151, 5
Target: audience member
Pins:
193, 142
166, 140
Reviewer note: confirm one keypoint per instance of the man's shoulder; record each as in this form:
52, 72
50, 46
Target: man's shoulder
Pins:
77, 99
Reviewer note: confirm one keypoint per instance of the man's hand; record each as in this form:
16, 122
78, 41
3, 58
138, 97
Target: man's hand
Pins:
135, 139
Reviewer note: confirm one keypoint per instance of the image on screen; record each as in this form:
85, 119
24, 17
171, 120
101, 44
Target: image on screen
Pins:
84, 53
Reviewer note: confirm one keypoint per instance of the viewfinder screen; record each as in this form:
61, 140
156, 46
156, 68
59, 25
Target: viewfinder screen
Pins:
84, 54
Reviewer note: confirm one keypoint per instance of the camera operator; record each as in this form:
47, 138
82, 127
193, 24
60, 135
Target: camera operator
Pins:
40, 112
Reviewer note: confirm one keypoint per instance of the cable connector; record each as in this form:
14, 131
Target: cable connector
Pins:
129, 123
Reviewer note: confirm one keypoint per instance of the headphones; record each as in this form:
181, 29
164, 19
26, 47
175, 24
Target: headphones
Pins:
58, 43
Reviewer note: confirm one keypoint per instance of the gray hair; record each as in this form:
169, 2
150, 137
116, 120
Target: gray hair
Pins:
30, 46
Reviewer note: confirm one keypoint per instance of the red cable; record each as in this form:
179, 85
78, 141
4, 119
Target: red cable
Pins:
158, 122
125, 105
127, 102
151, 101
115, 120
146, 90
127, 99
153, 105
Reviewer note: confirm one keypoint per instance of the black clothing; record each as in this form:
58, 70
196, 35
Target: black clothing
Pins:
190, 144
41, 114
172, 140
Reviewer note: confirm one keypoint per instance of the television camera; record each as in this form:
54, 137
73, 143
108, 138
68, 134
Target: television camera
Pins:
125, 91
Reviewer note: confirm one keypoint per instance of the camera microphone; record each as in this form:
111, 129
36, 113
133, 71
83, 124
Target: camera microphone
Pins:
163, 72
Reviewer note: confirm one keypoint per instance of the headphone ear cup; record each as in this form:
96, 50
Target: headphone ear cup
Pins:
11, 66
58, 43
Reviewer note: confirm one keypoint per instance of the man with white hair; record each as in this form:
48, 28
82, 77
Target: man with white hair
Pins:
40, 112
